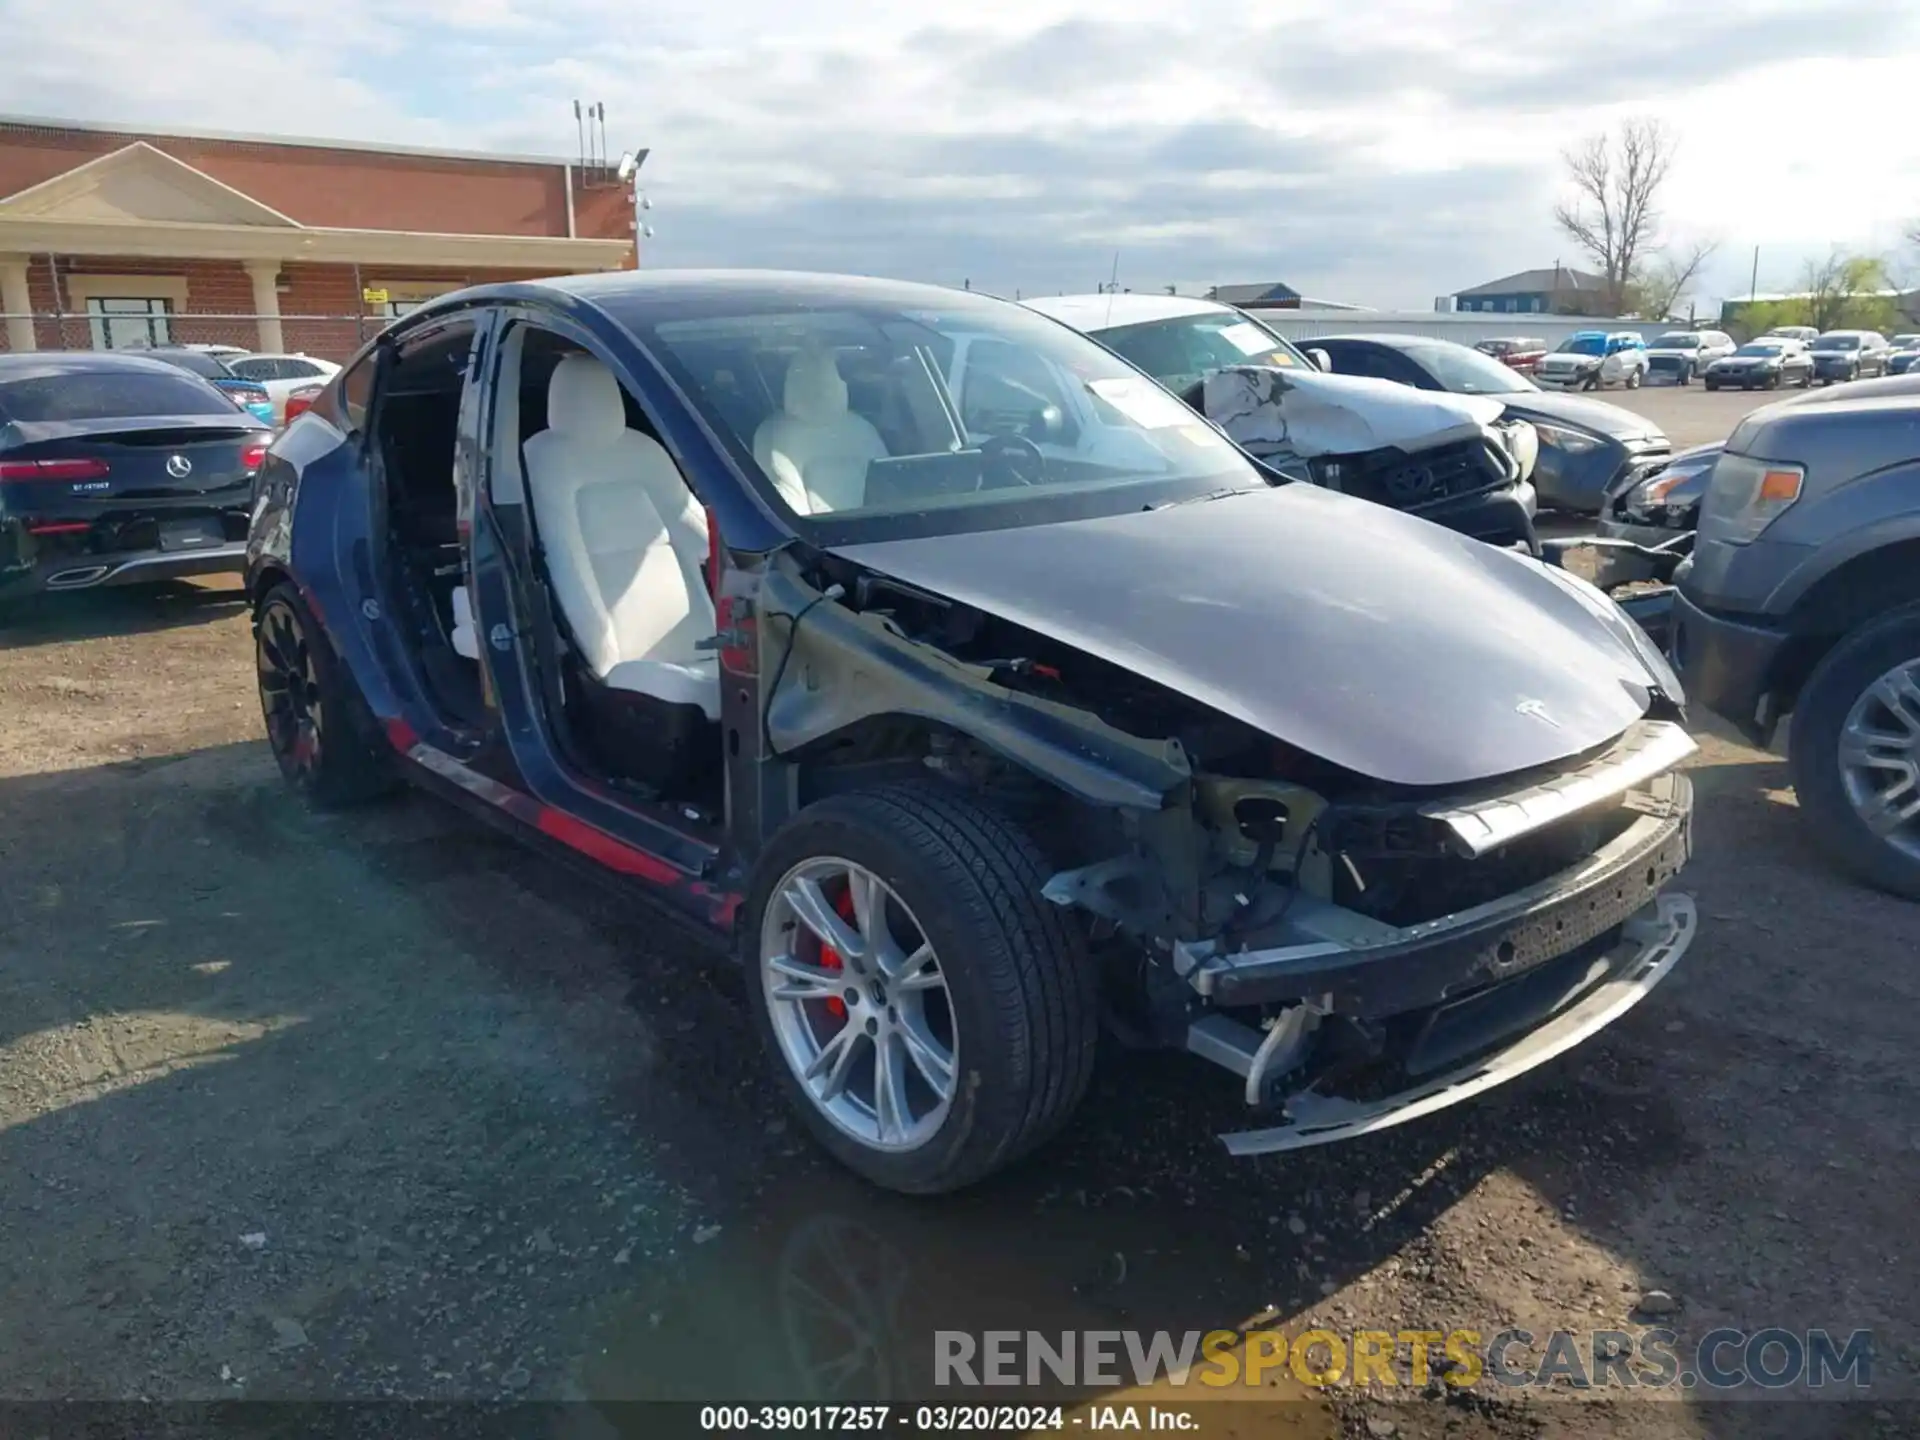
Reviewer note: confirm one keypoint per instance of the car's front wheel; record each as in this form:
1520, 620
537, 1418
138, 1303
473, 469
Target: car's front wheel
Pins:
930, 1015
311, 711
1633, 380
1855, 752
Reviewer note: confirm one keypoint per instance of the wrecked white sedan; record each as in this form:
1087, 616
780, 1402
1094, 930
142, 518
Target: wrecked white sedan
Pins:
1457, 460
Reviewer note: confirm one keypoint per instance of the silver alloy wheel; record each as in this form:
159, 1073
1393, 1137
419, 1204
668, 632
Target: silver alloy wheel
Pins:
1880, 758
859, 1004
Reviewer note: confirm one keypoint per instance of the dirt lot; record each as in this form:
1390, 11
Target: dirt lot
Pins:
295, 1106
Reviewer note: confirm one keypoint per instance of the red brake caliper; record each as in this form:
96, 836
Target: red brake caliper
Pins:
830, 957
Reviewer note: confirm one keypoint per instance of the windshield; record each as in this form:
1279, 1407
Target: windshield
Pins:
1584, 345
1465, 371
1679, 340
107, 395
871, 422
1183, 351
1837, 342
1905, 342
1757, 348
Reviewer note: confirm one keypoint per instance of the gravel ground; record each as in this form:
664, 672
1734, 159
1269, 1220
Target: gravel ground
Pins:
1689, 415
297, 1106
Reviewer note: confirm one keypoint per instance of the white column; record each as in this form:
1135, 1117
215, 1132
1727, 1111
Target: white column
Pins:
17, 303
266, 303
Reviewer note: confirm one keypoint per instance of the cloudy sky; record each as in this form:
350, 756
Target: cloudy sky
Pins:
1385, 152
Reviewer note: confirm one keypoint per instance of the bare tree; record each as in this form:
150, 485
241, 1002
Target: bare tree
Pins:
1612, 214
1844, 288
1668, 275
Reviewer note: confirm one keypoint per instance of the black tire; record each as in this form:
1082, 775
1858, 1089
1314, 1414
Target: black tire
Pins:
334, 762
1686, 375
1813, 750
1711, 386
1806, 380
1023, 993
1633, 380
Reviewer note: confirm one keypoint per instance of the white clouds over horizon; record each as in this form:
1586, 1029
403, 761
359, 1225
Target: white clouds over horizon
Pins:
1384, 153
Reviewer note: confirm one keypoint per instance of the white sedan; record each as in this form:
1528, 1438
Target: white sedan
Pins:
282, 375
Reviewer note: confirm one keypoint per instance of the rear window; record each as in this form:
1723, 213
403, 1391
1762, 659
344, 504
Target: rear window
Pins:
107, 395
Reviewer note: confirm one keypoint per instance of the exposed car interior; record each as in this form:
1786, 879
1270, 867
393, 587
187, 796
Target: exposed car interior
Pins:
412, 436
621, 545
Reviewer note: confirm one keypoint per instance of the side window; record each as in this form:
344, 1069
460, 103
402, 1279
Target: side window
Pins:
1369, 360
356, 389
297, 369
1010, 389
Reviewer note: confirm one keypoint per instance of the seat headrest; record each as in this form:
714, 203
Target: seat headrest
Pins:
583, 400
815, 391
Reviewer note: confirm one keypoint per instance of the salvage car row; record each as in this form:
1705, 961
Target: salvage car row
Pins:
1786, 355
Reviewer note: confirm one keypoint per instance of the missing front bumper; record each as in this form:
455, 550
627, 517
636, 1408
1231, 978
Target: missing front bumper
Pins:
1651, 944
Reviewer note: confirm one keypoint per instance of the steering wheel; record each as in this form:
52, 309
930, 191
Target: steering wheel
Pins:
1012, 457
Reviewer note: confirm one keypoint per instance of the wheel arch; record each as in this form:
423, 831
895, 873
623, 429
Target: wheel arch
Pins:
1832, 605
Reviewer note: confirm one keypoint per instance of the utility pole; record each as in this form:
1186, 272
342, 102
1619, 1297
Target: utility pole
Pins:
1753, 283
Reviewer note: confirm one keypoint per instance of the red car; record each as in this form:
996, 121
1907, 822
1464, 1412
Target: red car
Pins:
1520, 353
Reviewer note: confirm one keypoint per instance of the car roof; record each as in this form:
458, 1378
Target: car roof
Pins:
1384, 337
771, 287
1825, 333
623, 292
1106, 312
40, 365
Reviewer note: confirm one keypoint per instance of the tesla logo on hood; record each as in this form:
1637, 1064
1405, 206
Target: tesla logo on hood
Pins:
179, 466
1538, 711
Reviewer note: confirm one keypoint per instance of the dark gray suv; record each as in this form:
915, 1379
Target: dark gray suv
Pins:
1803, 596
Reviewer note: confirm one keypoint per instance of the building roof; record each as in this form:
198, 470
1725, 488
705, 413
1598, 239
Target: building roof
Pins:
1253, 294
245, 137
1088, 313
1539, 282
140, 202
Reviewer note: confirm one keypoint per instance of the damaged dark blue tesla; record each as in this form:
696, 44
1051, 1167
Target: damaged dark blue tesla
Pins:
978, 696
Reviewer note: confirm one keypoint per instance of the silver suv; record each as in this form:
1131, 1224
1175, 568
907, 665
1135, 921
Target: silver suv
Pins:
1679, 355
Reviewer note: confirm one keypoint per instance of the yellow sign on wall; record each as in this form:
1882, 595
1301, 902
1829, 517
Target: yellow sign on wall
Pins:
375, 297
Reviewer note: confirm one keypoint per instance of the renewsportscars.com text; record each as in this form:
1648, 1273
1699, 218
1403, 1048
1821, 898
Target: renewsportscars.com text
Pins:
1769, 1359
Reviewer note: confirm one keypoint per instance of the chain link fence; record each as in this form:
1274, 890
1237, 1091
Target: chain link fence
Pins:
124, 325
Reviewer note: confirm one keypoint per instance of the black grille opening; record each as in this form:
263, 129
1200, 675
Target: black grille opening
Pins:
1392, 880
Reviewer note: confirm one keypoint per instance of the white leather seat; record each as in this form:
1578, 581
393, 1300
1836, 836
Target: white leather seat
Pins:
625, 542
816, 450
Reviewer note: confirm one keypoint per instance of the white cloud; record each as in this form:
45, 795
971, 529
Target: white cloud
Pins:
1386, 152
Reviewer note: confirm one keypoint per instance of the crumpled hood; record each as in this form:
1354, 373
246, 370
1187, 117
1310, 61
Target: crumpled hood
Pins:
1370, 638
1264, 408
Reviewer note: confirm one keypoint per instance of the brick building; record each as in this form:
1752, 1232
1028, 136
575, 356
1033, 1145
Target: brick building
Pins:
113, 238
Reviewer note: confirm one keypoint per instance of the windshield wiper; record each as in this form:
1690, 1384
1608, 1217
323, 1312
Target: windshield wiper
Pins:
1221, 494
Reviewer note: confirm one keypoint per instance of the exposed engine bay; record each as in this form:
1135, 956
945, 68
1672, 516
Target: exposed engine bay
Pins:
1301, 923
